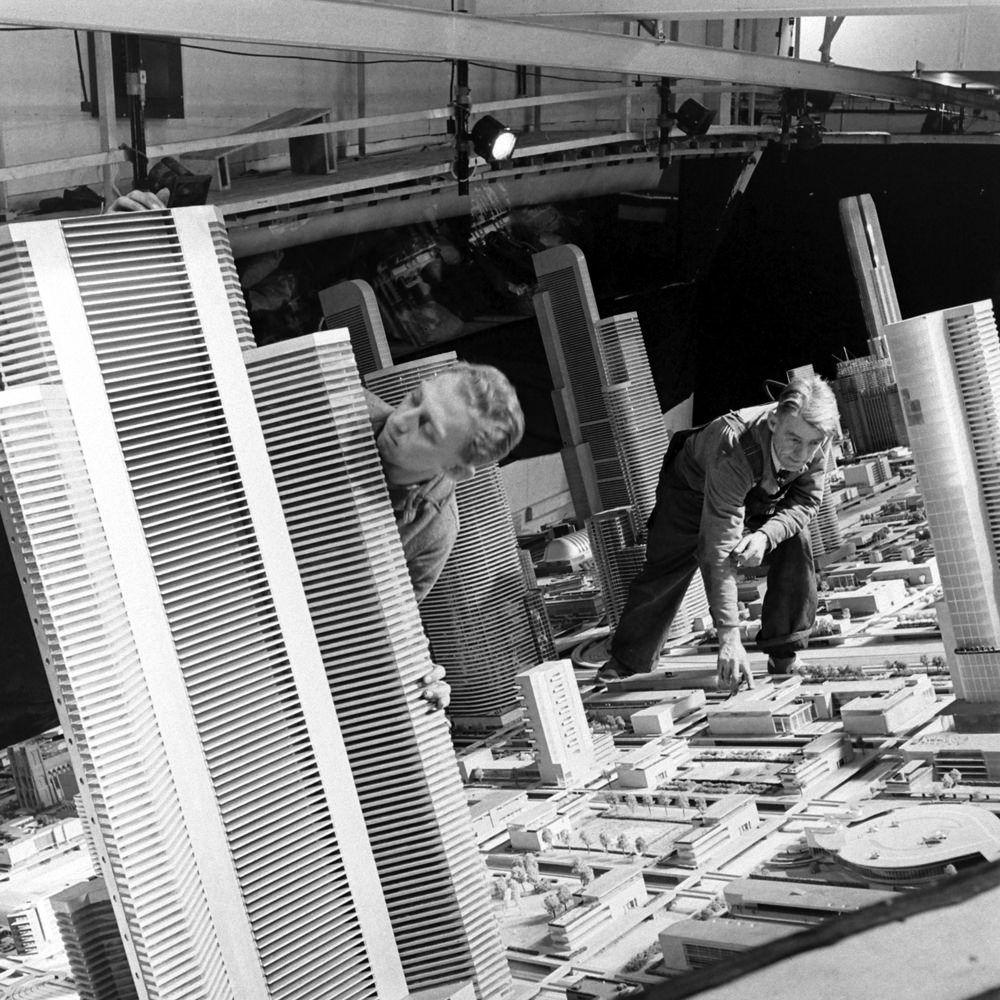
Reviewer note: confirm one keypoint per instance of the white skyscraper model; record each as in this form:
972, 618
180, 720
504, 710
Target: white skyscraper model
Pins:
140, 505
947, 366
558, 723
319, 438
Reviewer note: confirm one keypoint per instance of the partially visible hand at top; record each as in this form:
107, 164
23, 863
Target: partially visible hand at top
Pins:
138, 201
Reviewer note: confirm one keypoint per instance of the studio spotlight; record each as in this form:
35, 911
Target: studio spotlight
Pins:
693, 118
492, 140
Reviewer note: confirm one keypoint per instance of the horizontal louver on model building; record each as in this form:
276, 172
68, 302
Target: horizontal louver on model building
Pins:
319, 438
145, 337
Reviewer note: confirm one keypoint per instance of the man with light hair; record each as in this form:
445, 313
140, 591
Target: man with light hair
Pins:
462, 419
738, 491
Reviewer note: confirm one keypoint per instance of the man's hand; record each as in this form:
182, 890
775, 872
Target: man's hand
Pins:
436, 689
733, 662
139, 201
750, 549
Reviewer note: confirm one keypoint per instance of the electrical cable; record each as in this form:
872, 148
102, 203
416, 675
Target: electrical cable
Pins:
79, 63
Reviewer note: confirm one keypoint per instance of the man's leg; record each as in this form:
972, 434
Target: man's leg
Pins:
657, 592
789, 610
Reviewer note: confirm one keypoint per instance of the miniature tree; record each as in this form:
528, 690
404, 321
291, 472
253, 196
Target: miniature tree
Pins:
664, 799
631, 802
515, 894
531, 866
683, 802
701, 804
477, 774
640, 845
552, 905
586, 875
624, 843
956, 776
546, 837
949, 870
563, 836
565, 896
605, 838
586, 839
647, 801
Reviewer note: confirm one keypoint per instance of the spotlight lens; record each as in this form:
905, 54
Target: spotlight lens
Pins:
503, 145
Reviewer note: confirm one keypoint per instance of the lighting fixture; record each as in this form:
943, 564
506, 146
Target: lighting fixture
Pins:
492, 140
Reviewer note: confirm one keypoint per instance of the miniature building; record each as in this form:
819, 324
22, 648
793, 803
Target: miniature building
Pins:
600, 988
914, 844
814, 761
605, 900
557, 723
694, 944
976, 756
915, 574
92, 942
536, 826
42, 772
147, 489
491, 810
883, 714
870, 599
868, 400
868, 474
948, 363
28, 839
653, 763
764, 710
830, 697
659, 719
798, 902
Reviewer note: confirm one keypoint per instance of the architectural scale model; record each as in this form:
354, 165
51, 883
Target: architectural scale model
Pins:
478, 615
142, 512
352, 305
948, 368
319, 440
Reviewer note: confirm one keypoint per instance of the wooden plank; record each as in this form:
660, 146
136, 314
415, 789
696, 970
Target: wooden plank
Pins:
107, 123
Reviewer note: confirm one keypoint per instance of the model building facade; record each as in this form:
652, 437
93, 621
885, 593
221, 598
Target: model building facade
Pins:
146, 524
319, 438
948, 368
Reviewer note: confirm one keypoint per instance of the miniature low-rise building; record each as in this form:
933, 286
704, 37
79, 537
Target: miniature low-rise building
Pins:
976, 756
830, 697
600, 988
798, 902
492, 809
762, 711
659, 719
914, 844
605, 900
474, 760
883, 714
29, 839
695, 944
653, 763
736, 812
870, 599
536, 827
915, 574
42, 771
697, 848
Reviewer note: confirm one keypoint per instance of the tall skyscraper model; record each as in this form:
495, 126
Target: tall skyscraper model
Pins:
948, 369
140, 505
319, 439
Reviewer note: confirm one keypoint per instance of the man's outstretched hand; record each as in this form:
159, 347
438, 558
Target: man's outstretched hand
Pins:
138, 201
436, 690
733, 662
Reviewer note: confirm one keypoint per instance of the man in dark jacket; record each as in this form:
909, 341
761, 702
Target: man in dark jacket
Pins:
739, 491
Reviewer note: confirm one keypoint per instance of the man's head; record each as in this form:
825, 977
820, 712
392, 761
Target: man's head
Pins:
804, 419
465, 417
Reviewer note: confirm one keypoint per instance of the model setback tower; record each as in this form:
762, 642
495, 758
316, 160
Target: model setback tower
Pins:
144, 518
477, 615
947, 365
319, 438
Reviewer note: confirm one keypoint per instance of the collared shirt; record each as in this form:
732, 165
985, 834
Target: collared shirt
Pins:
714, 463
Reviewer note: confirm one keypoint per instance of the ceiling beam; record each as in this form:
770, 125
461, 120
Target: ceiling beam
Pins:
335, 24
629, 10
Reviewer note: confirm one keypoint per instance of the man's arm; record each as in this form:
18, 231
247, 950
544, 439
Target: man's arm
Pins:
728, 479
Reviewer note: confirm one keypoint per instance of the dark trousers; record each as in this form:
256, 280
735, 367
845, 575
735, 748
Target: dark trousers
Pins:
671, 561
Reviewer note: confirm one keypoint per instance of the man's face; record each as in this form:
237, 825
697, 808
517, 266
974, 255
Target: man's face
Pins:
427, 432
795, 441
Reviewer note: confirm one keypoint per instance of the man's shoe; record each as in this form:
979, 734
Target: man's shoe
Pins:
613, 671
785, 665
